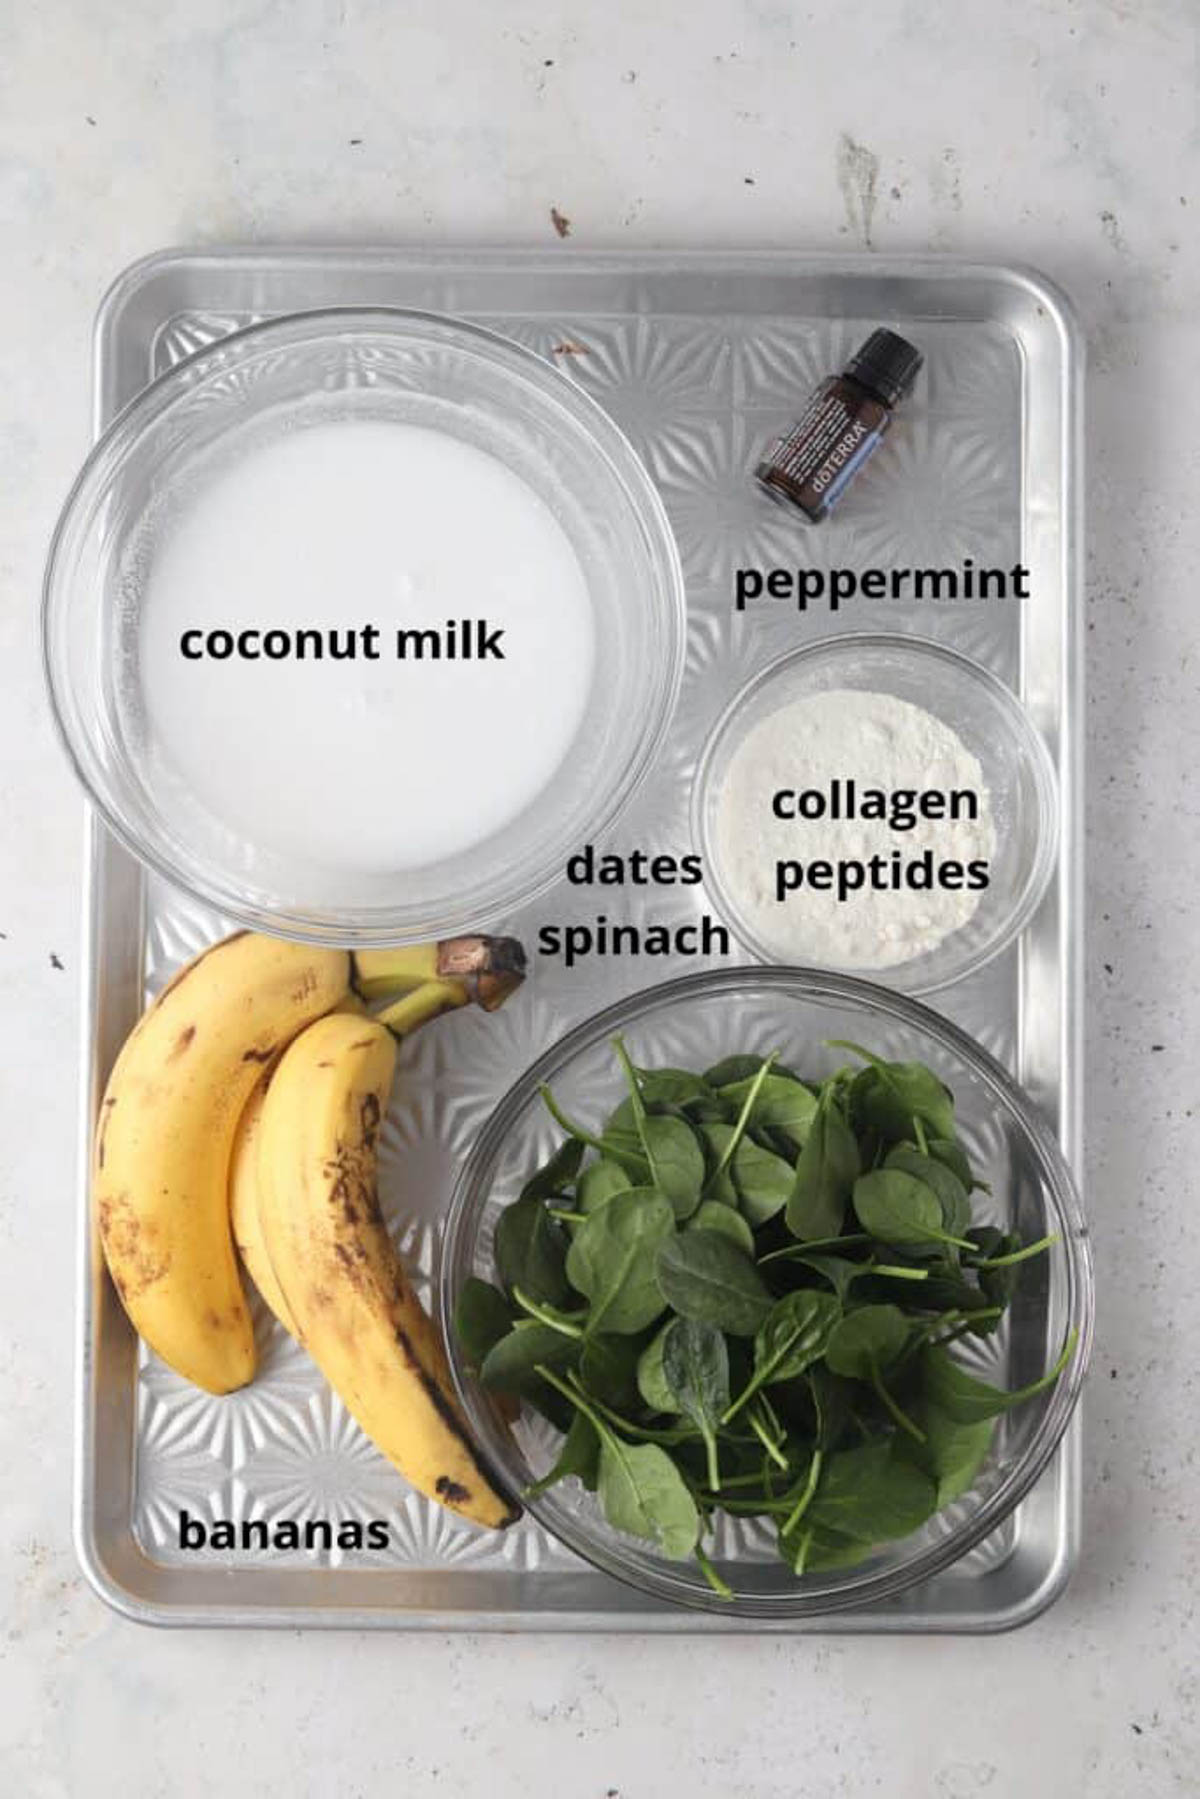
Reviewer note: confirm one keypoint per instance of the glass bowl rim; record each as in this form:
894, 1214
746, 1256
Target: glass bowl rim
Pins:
1024, 731
567, 405
1064, 1205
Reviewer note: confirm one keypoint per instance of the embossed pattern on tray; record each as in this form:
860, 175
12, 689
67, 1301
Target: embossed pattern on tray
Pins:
698, 398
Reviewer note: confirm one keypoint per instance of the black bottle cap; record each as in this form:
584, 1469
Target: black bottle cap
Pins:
887, 364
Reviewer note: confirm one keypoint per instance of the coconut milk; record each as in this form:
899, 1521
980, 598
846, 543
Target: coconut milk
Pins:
365, 644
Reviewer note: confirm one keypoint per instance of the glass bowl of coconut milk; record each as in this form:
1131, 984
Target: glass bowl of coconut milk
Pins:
358, 623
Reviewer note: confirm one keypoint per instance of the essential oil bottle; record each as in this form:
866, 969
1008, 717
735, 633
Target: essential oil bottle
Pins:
841, 427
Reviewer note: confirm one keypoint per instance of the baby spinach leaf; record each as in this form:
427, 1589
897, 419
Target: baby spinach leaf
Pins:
872, 1495
807, 1549
839, 1083
608, 1369
950, 1452
623, 1144
780, 1104
968, 1400
864, 1344
887, 1096
986, 1240
598, 1182
898, 1208
794, 1334
511, 1365
676, 1161
558, 1173
948, 1289
672, 1086
866, 1341
952, 1196
530, 1251
731, 1141
652, 1382
481, 1317
579, 1454
611, 1260
708, 1111
712, 1215
996, 1284
762, 1180
831, 1403
825, 1173
642, 1492
718, 1186
695, 1365
640, 1488
669, 1145
572, 1129
622, 1120
732, 1069
706, 1277
620, 1141
950, 1152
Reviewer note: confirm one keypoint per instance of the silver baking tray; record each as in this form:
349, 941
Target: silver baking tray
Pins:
699, 358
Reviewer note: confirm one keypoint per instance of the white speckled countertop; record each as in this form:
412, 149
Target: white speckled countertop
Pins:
1058, 133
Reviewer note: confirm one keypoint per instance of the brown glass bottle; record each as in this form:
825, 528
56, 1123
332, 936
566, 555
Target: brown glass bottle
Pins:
843, 424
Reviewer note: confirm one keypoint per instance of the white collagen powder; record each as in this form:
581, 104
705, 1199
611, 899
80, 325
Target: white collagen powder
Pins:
818, 745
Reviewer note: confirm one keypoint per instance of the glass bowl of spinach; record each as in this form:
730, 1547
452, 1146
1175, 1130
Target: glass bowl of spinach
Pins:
768, 1290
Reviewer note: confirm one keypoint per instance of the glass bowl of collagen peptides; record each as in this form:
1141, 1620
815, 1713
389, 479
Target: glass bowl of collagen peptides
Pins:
358, 623
879, 805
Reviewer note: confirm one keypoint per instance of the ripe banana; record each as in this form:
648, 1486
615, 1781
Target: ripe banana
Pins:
164, 1137
432, 978
339, 1274
168, 1120
243, 1204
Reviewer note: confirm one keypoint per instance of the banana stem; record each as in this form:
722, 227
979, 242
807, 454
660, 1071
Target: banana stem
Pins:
382, 972
486, 969
417, 1008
